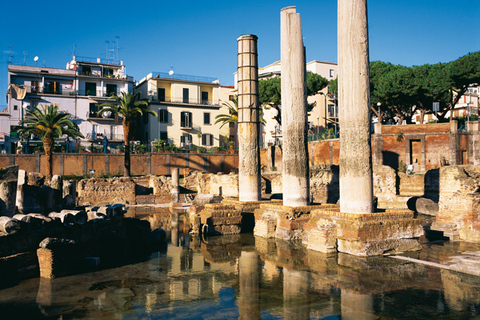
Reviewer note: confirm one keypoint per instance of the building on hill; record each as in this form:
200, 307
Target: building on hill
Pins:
186, 107
79, 90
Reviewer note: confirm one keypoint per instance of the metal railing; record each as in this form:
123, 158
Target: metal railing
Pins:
92, 136
71, 92
186, 101
166, 75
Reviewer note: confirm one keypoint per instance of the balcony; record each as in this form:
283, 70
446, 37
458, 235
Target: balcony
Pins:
94, 115
100, 136
46, 90
180, 100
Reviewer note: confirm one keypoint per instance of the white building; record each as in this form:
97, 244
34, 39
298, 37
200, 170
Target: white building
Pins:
79, 90
186, 107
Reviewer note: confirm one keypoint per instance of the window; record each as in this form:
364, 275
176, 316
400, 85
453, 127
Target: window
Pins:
231, 97
186, 139
185, 95
207, 139
108, 73
206, 118
111, 90
161, 94
35, 87
162, 115
93, 110
53, 87
86, 71
186, 119
331, 110
204, 97
163, 135
90, 89
15, 107
332, 73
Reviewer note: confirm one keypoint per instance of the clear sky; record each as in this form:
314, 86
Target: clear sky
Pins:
199, 37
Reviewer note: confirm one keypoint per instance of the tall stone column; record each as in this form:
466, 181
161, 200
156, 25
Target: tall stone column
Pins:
248, 120
356, 185
175, 186
294, 111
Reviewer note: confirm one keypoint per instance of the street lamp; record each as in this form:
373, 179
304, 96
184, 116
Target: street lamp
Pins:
318, 124
325, 115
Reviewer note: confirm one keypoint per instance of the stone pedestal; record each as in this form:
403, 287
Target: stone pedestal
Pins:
221, 219
175, 186
368, 234
459, 203
274, 220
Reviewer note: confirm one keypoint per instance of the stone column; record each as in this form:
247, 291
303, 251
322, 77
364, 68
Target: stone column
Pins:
356, 185
248, 120
175, 186
294, 111
248, 297
22, 181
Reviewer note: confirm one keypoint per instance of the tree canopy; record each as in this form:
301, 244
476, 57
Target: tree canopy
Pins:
401, 91
270, 93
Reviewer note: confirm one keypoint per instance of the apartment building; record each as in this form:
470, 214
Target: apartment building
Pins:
186, 107
79, 90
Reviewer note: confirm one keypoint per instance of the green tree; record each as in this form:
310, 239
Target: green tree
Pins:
128, 106
46, 122
270, 92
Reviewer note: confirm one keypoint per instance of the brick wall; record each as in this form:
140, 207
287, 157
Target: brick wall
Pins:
79, 164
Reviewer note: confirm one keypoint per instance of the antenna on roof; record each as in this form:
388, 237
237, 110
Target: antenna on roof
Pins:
74, 47
10, 54
116, 51
24, 58
171, 71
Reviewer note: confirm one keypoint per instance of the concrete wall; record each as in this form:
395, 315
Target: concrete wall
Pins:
80, 164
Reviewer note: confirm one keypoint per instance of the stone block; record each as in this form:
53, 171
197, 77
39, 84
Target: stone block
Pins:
322, 238
204, 198
426, 206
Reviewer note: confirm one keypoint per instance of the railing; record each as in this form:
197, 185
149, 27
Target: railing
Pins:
106, 115
96, 60
187, 101
165, 75
71, 92
99, 136
99, 93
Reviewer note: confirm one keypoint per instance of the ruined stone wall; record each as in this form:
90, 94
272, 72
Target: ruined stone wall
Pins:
96, 191
459, 203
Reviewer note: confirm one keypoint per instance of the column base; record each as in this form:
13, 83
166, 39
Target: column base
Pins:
274, 220
367, 234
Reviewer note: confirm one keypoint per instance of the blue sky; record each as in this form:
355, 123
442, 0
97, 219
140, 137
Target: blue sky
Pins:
199, 37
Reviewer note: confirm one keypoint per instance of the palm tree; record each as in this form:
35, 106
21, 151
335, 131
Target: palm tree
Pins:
232, 116
48, 124
128, 107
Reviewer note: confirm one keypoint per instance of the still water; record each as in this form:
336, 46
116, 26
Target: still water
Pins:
240, 276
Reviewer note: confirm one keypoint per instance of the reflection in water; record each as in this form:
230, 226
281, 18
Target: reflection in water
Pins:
240, 276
